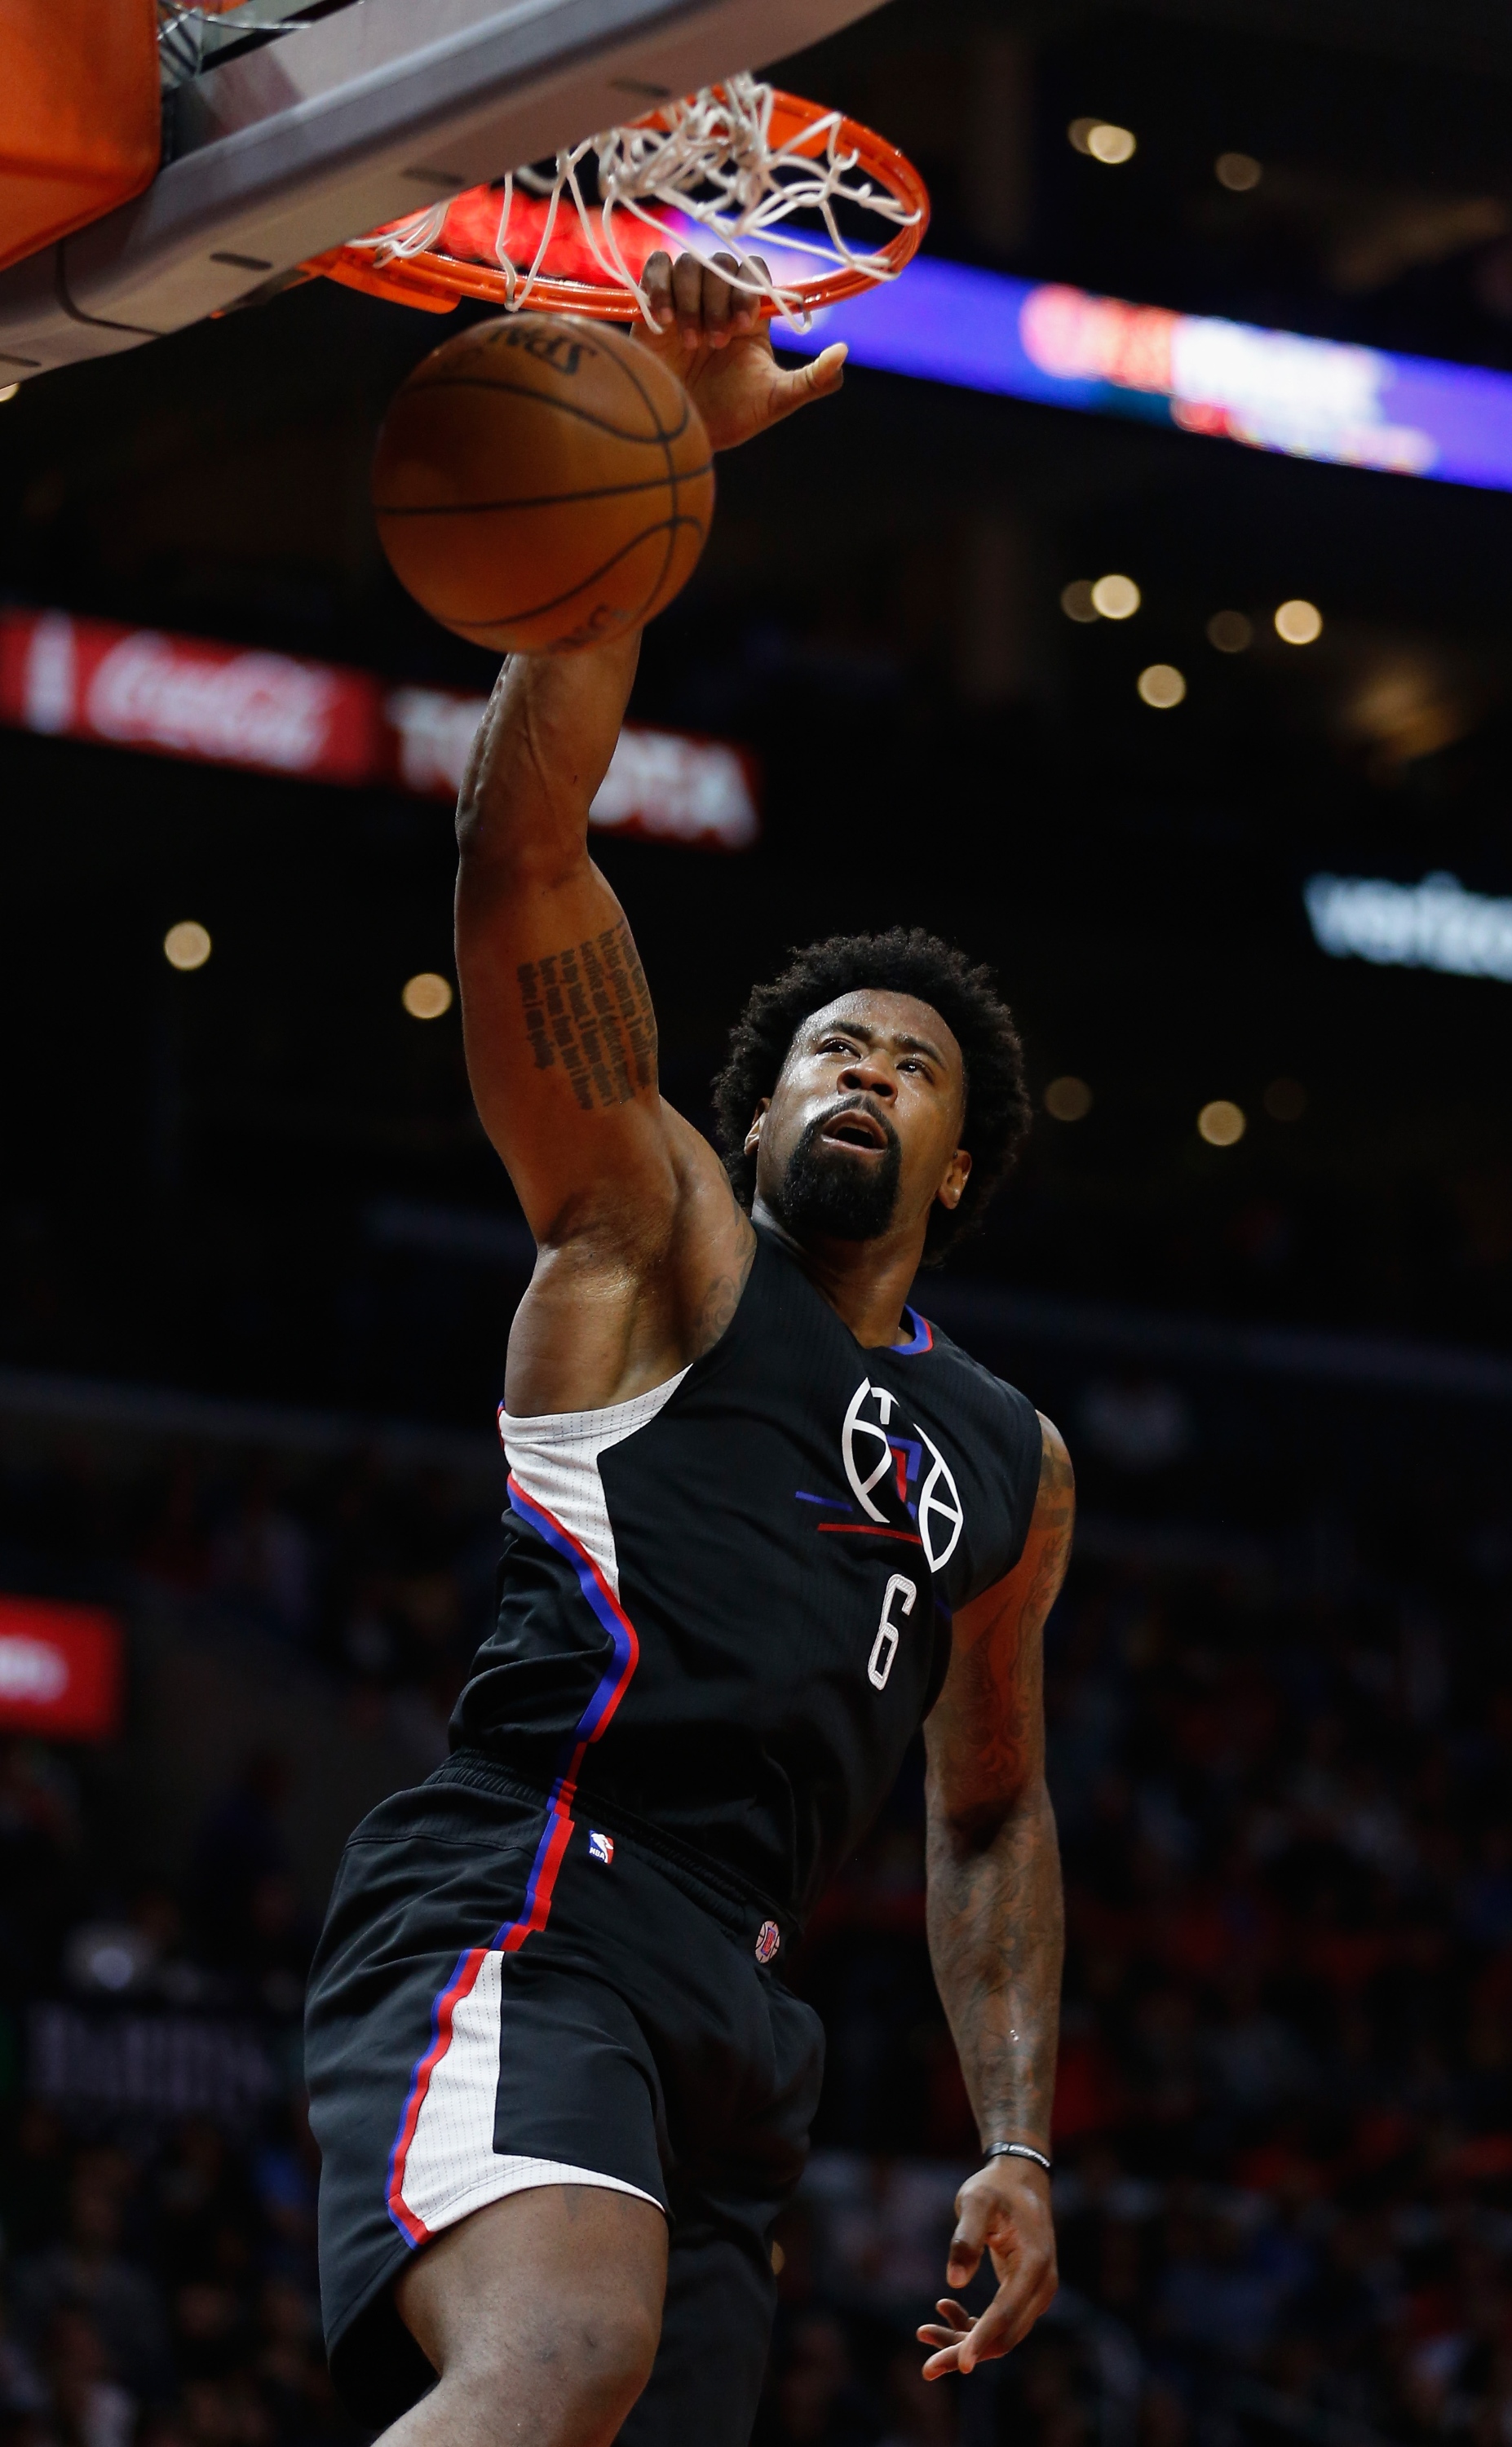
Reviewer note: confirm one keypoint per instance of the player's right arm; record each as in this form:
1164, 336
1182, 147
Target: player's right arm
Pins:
643, 1249
557, 1020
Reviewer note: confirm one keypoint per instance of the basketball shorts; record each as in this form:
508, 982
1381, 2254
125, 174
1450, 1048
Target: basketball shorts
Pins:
505, 1995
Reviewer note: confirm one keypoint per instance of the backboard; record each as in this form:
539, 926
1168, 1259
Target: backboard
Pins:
279, 145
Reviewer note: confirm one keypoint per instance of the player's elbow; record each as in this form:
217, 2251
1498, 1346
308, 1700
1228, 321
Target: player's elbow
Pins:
966, 1824
499, 854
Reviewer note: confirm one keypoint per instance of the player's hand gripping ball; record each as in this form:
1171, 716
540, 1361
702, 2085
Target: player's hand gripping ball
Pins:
542, 484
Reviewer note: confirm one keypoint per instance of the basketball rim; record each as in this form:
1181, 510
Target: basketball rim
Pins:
411, 263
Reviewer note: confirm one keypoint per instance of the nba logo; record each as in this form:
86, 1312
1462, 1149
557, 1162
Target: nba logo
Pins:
600, 1847
768, 1938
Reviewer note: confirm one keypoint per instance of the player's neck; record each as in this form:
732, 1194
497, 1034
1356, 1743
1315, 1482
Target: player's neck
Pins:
865, 1283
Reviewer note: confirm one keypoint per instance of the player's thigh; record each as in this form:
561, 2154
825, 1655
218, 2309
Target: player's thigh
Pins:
716, 2333
564, 2281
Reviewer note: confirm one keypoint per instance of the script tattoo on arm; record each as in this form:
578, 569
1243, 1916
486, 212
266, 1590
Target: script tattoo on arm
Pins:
588, 1009
995, 1918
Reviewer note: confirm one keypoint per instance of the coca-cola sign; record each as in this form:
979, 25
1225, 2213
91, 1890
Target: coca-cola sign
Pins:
282, 713
181, 697
254, 710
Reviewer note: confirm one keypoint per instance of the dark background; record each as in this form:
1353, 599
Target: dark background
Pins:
1280, 1693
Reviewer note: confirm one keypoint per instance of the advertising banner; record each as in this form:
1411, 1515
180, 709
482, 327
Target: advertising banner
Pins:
61, 1670
1330, 400
214, 704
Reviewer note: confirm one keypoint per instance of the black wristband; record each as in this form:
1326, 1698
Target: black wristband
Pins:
1017, 2150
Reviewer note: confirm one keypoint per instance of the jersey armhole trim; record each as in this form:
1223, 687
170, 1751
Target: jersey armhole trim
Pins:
610, 1425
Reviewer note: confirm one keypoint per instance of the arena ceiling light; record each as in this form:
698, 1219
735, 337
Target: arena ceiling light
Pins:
1103, 139
186, 945
1230, 632
1115, 597
1068, 1099
1299, 622
1162, 684
1221, 1123
427, 995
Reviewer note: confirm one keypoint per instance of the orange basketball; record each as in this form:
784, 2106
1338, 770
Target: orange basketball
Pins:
543, 483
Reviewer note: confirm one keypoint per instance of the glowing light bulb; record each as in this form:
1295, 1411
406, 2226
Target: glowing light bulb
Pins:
1076, 599
427, 995
1112, 144
1115, 598
1221, 1123
1238, 172
1299, 622
186, 945
1229, 631
1162, 684
1102, 141
1285, 1100
1068, 1099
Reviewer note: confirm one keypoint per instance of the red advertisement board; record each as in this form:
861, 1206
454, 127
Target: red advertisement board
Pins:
181, 697
321, 722
61, 1670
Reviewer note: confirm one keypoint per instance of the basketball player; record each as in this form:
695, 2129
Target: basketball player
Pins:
763, 1522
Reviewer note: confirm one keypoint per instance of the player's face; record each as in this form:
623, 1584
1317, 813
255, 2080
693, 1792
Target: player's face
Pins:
862, 1133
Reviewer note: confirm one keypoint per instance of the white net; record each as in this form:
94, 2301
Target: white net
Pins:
712, 161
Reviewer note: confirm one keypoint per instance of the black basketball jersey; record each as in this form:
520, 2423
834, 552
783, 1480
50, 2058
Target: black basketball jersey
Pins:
725, 1606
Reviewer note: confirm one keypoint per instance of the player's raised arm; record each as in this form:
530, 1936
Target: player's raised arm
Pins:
561, 1037
996, 1925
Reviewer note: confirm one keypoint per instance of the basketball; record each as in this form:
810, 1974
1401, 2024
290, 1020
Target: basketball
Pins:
542, 484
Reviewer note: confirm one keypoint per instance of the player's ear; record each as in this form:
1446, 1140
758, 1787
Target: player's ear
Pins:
957, 1172
753, 1134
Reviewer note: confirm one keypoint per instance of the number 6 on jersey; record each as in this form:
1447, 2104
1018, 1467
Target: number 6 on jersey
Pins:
884, 1647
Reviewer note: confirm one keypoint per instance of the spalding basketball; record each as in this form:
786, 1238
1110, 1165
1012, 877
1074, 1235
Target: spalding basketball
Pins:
542, 484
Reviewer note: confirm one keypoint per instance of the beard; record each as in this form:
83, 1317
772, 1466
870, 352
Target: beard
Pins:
827, 1195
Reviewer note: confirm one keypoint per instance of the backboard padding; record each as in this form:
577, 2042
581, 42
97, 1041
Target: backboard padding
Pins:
365, 116
79, 123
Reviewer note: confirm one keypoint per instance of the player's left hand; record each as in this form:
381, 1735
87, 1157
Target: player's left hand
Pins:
720, 347
1005, 2211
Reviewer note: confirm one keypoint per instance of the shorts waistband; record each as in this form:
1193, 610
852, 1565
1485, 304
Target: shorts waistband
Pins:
741, 1910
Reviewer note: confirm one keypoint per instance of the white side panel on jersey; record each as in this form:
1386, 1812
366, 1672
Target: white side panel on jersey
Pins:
451, 2167
359, 118
555, 1460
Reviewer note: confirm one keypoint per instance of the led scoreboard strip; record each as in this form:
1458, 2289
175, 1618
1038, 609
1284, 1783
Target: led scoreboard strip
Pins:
1328, 400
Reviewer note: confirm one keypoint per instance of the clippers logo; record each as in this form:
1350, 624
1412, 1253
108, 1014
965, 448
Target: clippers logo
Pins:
768, 1938
874, 1445
600, 1847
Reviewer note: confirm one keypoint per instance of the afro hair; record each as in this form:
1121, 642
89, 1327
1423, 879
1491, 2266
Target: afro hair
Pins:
904, 961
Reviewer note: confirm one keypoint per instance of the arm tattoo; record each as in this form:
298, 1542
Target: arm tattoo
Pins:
995, 1921
588, 1007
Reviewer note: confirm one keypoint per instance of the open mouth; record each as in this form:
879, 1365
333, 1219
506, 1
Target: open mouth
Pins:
856, 1129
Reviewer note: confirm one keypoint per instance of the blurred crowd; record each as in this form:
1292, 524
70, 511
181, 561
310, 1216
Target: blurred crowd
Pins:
1284, 2123
383, 1576
1284, 2114
158, 2282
